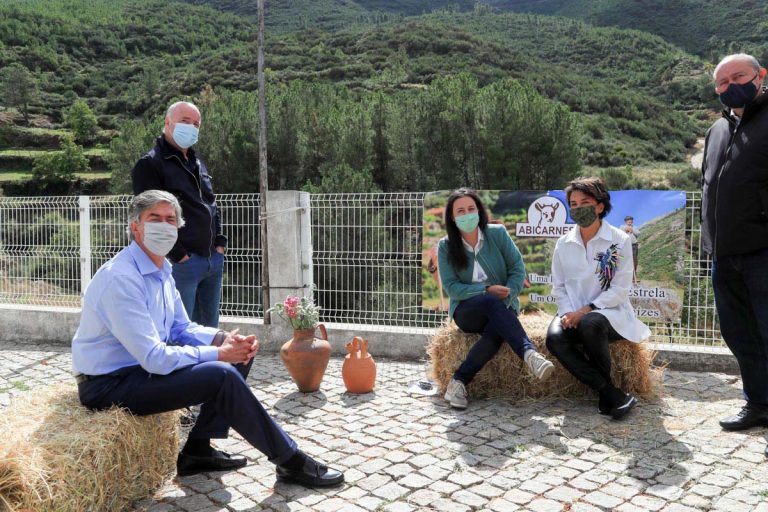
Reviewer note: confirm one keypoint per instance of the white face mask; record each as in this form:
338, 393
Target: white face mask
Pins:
160, 237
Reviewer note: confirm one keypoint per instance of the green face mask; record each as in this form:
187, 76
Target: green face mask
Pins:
584, 216
468, 222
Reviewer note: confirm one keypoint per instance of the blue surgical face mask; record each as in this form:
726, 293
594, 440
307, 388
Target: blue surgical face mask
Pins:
738, 95
468, 222
185, 135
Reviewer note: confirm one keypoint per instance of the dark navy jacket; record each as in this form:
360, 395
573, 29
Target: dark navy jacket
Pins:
734, 203
165, 168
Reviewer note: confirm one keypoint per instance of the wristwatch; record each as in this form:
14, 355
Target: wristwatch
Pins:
592, 306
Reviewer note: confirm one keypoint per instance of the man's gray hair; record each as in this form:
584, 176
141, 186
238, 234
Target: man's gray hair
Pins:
147, 200
738, 56
169, 112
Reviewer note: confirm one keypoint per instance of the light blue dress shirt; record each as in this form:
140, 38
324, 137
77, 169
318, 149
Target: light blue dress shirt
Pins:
133, 315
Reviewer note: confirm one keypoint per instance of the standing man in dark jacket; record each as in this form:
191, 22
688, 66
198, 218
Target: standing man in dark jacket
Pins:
735, 227
198, 256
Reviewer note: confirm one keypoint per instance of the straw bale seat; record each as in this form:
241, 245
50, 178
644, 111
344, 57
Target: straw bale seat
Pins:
55, 455
506, 374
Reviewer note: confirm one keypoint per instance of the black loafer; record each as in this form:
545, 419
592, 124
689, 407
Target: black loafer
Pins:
311, 474
749, 416
624, 407
220, 461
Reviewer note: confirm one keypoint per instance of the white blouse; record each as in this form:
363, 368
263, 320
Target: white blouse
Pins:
576, 279
478, 274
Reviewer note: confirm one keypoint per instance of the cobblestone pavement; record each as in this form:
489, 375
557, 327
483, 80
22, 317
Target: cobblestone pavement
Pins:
403, 452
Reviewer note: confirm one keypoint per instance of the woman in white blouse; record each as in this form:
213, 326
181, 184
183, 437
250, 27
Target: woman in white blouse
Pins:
591, 277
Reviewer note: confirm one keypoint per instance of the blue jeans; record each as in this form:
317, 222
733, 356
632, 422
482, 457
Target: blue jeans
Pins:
221, 389
740, 283
489, 316
199, 283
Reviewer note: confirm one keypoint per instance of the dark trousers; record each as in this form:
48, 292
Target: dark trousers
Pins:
583, 350
741, 296
221, 389
488, 315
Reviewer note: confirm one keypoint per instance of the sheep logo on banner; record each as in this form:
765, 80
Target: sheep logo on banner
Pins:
547, 217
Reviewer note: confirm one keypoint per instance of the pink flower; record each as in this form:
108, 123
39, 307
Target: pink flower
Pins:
291, 302
291, 312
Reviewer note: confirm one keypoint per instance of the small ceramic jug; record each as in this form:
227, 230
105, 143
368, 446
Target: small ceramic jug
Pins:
359, 369
306, 358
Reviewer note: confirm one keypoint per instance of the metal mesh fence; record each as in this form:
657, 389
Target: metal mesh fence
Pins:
366, 252
698, 325
241, 293
40, 251
367, 258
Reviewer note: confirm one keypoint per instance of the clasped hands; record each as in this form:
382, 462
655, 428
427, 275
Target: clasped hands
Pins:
571, 319
498, 291
236, 348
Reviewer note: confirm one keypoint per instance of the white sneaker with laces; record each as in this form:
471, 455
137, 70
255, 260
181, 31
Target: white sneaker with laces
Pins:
540, 367
456, 394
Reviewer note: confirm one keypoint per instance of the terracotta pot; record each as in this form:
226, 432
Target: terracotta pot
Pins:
359, 369
306, 358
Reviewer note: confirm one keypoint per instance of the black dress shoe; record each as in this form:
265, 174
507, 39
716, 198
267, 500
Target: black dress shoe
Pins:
623, 408
614, 402
311, 474
749, 416
219, 461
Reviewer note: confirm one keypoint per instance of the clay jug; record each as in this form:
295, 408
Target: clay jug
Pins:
359, 369
306, 358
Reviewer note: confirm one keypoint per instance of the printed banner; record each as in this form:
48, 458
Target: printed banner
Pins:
535, 220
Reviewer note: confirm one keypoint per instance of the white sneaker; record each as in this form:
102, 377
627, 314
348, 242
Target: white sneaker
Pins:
540, 367
456, 394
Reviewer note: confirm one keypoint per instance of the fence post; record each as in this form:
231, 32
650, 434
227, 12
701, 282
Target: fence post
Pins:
85, 243
289, 245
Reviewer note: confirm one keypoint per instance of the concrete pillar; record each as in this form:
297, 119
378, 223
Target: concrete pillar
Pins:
289, 242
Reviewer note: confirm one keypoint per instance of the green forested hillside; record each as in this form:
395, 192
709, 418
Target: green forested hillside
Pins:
709, 28
287, 15
637, 99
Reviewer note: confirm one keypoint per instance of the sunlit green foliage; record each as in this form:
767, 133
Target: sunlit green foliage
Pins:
322, 137
81, 119
710, 28
387, 108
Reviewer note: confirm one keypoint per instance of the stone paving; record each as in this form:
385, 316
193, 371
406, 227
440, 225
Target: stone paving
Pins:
404, 452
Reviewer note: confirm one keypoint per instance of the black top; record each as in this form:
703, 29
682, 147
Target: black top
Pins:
165, 168
734, 203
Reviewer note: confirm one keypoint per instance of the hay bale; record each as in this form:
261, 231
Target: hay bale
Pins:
506, 374
55, 455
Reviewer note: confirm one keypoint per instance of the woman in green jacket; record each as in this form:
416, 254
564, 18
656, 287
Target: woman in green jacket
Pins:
482, 272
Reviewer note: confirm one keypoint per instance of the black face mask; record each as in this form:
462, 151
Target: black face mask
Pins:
738, 95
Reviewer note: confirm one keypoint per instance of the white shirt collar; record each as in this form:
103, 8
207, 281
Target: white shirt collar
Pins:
480, 239
574, 235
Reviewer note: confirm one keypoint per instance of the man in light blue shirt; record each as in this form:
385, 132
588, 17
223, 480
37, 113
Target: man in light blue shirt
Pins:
136, 348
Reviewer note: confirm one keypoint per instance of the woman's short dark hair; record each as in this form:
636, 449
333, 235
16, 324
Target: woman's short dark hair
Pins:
456, 255
594, 188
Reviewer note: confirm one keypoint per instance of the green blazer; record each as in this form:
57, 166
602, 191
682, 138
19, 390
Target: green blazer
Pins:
501, 261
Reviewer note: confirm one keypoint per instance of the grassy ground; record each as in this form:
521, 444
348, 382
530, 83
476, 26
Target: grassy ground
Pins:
7, 176
32, 153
